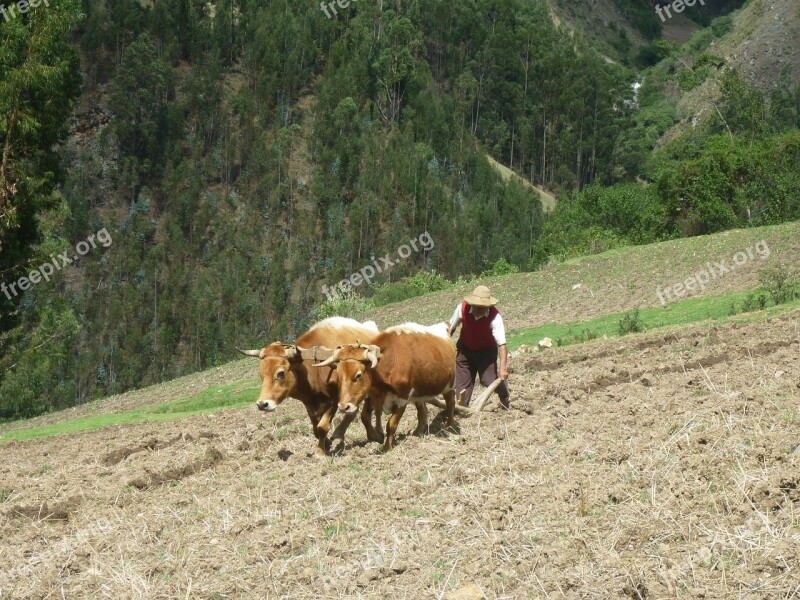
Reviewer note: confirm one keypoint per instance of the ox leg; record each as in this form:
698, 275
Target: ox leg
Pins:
391, 427
378, 408
313, 416
321, 432
341, 429
374, 434
450, 403
344, 424
422, 418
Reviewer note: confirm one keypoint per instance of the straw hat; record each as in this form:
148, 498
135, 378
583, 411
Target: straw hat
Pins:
480, 296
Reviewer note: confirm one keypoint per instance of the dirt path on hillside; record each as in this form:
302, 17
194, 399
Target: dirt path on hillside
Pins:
651, 466
547, 199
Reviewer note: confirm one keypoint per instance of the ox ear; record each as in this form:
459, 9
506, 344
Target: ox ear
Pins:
372, 355
255, 353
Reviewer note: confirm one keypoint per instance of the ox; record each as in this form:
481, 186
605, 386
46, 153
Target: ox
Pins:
406, 363
285, 370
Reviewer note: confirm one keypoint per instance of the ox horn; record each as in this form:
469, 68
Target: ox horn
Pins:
293, 352
256, 353
373, 354
330, 360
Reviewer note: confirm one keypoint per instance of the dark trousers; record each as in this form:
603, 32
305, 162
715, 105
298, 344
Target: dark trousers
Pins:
469, 364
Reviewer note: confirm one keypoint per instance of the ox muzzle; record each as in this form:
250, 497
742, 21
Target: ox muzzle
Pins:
348, 408
266, 405
352, 405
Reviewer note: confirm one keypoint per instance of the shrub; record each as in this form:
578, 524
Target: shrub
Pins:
640, 15
631, 323
599, 219
584, 335
780, 284
622, 44
701, 40
708, 59
697, 192
754, 302
421, 283
633, 212
721, 25
500, 267
427, 281
688, 79
647, 56
389, 293
347, 304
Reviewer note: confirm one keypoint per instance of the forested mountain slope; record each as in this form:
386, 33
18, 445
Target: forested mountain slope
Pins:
240, 155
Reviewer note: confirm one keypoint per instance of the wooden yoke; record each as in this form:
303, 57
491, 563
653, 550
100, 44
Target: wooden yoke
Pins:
315, 353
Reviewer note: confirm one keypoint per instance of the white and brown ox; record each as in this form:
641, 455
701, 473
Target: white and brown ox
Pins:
406, 363
286, 370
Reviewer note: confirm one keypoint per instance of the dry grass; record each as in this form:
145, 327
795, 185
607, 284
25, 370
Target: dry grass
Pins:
613, 282
651, 466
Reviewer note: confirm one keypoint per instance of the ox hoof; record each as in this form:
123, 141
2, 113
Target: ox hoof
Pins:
421, 431
374, 436
323, 452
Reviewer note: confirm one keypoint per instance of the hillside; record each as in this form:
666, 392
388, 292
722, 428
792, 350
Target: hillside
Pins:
651, 466
182, 178
763, 43
576, 290
760, 44
615, 281
622, 29
679, 29
242, 158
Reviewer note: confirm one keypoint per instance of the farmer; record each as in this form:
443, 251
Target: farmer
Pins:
482, 333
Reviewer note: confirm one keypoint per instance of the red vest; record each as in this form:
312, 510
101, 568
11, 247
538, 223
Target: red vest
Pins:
476, 334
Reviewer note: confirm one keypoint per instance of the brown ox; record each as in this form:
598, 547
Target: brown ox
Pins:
407, 363
285, 371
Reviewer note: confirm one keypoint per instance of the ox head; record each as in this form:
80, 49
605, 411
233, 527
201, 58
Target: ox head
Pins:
278, 377
354, 364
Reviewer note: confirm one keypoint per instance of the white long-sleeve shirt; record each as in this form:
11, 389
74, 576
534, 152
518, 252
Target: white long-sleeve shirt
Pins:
498, 328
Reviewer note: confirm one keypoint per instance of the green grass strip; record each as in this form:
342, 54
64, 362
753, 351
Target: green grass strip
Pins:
241, 394
210, 400
677, 313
